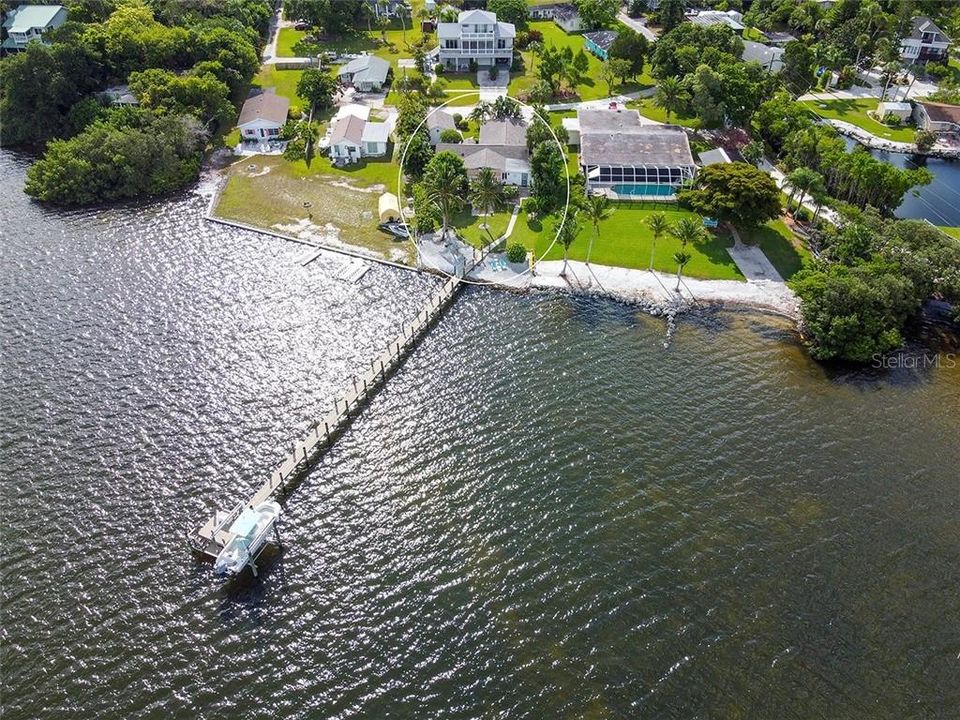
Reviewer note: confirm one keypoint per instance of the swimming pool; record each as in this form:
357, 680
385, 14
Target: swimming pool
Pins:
645, 189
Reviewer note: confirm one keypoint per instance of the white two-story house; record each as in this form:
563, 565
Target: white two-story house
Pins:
477, 36
925, 42
28, 23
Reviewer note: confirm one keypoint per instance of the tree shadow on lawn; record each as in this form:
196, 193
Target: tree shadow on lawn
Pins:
779, 250
715, 250
846, 106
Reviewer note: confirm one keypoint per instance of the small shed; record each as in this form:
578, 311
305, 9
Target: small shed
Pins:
900, 110
389, 208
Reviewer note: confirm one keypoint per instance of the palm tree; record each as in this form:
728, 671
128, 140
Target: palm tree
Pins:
446, 189
505, 109
597, 209
861, 42
566, 235
535, 48
482, 112
658, 225
802, 180
486, 193
680, 258
670, 96
687, 230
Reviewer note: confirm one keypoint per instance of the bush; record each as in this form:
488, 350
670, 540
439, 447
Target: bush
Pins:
473, 66
450, 136
936, 70
925, 140
458, 121
439, 69
494, 72
802, 215
516, 252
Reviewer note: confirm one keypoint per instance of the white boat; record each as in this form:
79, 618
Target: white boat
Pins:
250, 532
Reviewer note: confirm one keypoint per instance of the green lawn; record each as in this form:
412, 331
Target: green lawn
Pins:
398, 43
625, 241
648, 109
951, 231
285, 82
274, 193
468, 226
784, 249
592, 88
855, 112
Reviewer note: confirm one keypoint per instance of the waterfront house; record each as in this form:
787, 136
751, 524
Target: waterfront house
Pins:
262, 116
353, 137
630, 160
478, 37
599, 42
769, 56
29, 23
731, 18
437, 122
502, 147
564, 15
367, 73
940, 118
925, 42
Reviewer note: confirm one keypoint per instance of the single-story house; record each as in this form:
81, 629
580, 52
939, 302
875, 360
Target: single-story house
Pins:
367, 73
717, 156
564, 15
262, 116
937, 117
779, 38
769, 56
730, 18
502, 147
388, 208
29, 23
438, 121
599, 42
622, 156
353, 138
900, 110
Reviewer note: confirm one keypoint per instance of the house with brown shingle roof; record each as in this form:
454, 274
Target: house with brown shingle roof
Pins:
262, 116
940, 118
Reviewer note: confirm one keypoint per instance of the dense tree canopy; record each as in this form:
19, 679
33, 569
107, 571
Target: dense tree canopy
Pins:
734, 192
334, 17
203, 96
596, 14
511, 11
630, 46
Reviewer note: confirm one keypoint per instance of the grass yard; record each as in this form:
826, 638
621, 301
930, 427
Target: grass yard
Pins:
855, 112
625, 241
468, 226
342, 203
951, 231
647, 108
784, 249
593, 88
399, 43
285, 82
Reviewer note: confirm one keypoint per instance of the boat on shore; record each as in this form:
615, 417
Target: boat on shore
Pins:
250, 532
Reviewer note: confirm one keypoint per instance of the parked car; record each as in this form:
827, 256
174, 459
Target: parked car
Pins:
301, 25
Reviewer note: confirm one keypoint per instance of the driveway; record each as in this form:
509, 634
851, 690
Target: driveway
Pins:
637, 26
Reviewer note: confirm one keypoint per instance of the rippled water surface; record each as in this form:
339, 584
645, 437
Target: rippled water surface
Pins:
545, 514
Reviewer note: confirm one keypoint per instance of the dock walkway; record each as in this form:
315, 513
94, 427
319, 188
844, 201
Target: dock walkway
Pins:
213, 535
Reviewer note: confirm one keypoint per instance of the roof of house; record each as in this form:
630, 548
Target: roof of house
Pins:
361, 111
557, 10
603, 39
482, 156
476, 17
658, 146
265, 106
367, 67
440, 120
779, 38
886, 107
922, 24
503, 132
942, 112
24, 17
761, 53
731, 18
717, 156
608, 121
349, 128
120, 95
375, 132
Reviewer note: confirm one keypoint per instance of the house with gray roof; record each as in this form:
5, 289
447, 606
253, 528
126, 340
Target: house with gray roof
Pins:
599, 42
502, 147
353, 138
731, 18
262, 116
769, 56
477, 36
437, 121
367, 73
564, 15
925, 42
632, 160
29, 23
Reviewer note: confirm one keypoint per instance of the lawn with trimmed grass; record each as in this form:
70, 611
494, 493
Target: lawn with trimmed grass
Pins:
593, 88
270, 192
785, 250
647, 108
855, 113
391, 45
951, 231
468, 226
285, 83
626, 241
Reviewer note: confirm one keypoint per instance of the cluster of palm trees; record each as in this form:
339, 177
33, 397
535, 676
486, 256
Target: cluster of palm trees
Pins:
596, 208
503, 108
449, 190
806, 181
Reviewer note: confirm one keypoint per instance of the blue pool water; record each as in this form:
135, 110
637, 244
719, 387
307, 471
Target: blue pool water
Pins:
644, 189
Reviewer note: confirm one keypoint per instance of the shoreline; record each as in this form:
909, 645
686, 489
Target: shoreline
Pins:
870, 140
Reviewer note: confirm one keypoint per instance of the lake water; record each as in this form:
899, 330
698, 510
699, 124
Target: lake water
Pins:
545, 514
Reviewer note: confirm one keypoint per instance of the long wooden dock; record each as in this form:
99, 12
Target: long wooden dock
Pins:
213, 535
